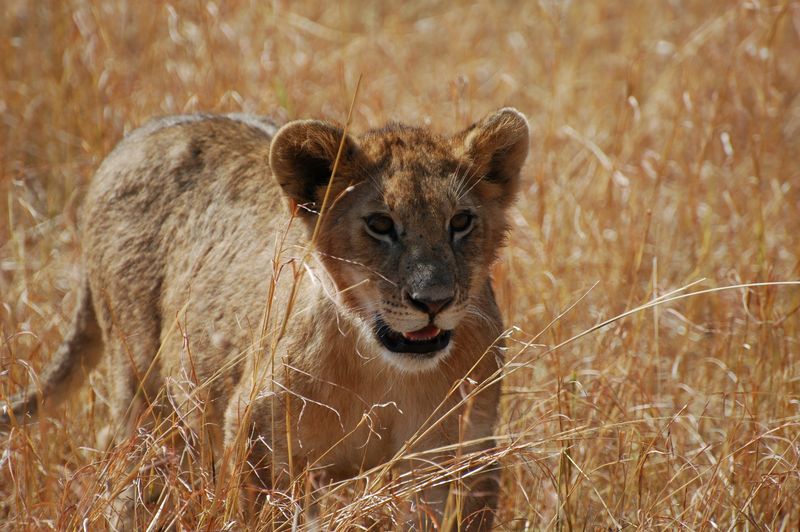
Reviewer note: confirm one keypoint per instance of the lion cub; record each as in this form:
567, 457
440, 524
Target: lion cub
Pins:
318, 321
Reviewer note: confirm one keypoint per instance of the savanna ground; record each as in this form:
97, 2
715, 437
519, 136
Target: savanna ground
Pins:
665, 160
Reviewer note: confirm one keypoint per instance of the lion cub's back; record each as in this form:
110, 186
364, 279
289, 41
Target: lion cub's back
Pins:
178, 159
166, 195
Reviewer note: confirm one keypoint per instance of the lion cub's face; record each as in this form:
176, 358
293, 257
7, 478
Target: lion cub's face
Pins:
412, 223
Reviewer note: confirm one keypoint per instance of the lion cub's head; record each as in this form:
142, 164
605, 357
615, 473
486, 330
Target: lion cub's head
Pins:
412, 223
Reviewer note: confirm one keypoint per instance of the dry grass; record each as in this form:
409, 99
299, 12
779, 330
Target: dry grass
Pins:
666, 150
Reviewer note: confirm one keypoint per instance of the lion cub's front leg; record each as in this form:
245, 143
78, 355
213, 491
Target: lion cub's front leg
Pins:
248, 458
464, 487
466, 503
472, 501
256, 452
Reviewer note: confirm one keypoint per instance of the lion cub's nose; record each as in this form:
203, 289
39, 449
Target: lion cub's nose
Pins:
428, 304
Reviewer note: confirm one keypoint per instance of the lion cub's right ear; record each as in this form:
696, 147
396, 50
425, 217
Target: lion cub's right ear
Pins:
301, 158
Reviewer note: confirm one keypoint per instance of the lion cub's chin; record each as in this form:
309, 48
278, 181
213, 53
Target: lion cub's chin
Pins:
415, 363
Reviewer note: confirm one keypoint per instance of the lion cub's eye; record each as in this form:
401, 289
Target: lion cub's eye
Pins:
461, 222
380, 225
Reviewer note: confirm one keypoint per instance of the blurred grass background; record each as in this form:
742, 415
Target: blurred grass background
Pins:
665, 150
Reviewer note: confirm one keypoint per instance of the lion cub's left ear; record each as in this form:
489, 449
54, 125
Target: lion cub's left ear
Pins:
496, 148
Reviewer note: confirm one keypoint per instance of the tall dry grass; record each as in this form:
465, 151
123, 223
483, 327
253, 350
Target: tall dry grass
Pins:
666, 152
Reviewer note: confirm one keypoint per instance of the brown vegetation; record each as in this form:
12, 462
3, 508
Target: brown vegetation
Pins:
665, 153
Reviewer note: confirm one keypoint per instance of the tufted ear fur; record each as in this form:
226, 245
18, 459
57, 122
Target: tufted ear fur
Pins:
302, 156
496, 148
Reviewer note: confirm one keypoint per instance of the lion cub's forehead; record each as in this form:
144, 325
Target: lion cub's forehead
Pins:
413, 166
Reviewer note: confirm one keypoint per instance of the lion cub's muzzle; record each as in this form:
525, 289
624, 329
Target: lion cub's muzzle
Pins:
427, 340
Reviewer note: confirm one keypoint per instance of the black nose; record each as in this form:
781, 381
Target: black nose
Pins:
428, 305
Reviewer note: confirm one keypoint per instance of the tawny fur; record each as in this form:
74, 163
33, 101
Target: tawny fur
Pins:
199, 276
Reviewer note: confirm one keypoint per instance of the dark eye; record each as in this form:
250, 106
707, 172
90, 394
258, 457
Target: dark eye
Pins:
380, 224
461, 222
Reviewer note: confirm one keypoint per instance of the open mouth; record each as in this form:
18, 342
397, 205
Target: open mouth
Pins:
425, 341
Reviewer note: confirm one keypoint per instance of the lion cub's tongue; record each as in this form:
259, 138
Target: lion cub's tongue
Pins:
426, 333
